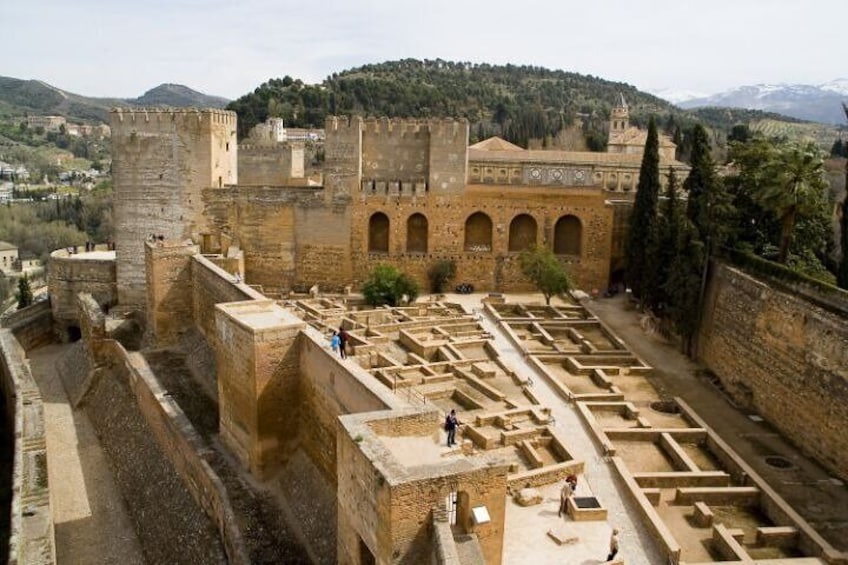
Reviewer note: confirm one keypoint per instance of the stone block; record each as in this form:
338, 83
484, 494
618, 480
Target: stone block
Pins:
562, 536
528, 497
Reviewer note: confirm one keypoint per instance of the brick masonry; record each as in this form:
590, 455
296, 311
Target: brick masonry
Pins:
783, 357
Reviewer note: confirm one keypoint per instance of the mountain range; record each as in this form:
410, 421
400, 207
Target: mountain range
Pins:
817, 103
37, 97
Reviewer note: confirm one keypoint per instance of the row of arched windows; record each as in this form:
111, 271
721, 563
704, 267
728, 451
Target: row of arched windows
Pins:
523, 232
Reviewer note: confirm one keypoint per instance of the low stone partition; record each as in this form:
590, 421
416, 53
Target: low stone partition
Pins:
31, 535
718, 496
772, 505
683, 479
726, 544
655, 525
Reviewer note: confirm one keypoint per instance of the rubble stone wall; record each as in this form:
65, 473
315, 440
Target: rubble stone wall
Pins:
782, 356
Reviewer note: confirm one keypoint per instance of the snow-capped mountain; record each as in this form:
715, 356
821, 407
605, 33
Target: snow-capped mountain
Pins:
839, 85
677, 95
821, 103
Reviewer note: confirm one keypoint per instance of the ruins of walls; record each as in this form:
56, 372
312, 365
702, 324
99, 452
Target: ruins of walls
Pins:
31, 535
782, 356
162, 159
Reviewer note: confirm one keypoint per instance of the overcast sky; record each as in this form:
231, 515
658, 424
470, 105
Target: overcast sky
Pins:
229, 47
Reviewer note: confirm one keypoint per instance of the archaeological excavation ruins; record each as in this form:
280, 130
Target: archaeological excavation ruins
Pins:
193, 362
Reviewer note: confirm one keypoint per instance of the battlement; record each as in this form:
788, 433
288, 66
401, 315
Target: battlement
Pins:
271, 148
124, 118
342, 123
391, 127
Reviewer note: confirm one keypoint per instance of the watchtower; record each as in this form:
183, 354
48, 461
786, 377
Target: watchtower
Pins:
162, 161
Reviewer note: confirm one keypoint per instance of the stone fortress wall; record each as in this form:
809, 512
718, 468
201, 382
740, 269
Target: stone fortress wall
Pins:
779, 354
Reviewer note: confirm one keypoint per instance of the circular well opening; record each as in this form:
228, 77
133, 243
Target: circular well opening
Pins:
779, 462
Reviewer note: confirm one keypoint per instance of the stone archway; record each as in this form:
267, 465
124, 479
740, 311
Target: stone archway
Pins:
568, 234
478, 232
522, 233
416, 233
378, 233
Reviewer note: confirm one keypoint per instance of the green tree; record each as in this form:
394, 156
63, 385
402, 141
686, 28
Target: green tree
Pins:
640, 244
387, 285
670, 223
785, 179
24, 292
546, 271
842, 272
684, 284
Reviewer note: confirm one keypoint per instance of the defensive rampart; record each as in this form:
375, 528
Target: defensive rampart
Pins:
779, 354
31, 537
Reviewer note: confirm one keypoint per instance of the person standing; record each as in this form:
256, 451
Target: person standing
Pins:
451, 423
613, 549
342, 342
334, 342
565, 493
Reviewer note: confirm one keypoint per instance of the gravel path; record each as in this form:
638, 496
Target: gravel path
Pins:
91, 523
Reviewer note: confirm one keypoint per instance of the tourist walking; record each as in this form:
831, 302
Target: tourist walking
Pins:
613, 550
342, 342
451, 423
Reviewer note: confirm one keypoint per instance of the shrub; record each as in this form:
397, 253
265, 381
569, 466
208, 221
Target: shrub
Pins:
440, 274
387, 285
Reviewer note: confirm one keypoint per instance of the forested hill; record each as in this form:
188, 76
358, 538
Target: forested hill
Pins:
516, 102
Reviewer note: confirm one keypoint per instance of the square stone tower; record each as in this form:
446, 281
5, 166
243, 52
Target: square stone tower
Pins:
162, 160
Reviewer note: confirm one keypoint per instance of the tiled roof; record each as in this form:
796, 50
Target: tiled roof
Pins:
495, 144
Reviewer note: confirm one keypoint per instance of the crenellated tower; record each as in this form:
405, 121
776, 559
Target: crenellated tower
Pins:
162, 161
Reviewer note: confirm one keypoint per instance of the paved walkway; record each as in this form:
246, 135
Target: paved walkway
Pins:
525, 542
91, 524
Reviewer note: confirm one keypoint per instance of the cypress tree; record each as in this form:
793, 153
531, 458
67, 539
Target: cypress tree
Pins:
701, 177
709, 207
668, 227
684, 284
641, 230
842, 273
25, 297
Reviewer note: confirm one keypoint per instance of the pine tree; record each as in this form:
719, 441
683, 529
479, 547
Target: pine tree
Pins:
643, 217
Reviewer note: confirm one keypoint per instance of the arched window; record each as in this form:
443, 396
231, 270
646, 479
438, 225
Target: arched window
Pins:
478, 232
522, 233
567, 236
378, 233
416, 234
